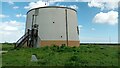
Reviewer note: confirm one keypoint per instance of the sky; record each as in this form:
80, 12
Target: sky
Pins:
97, 21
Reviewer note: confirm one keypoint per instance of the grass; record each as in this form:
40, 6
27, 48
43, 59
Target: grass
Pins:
88, 55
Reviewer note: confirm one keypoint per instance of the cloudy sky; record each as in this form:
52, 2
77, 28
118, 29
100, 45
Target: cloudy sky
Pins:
98, 21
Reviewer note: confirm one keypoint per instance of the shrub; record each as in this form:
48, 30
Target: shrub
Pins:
74, 58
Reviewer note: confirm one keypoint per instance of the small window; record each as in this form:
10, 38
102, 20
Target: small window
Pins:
61, 36
53, 22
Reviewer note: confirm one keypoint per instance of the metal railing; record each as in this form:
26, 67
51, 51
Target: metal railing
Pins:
22, 40
30, 37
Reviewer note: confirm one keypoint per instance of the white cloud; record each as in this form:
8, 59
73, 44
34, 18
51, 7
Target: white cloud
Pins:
10, 25
24, 16
111, 5
73, 6
3, 16
44, 3
10, 2
70, 6
97, 4
11, 31
80, 26
104, 5
15, 7
110, 17
20, 15
37, 4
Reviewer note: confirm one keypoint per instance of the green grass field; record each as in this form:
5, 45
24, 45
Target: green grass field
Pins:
85, 55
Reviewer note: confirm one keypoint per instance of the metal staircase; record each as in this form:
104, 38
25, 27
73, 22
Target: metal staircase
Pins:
30, 37
22, 40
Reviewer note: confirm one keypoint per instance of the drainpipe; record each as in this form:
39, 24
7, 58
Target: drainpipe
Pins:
66, 26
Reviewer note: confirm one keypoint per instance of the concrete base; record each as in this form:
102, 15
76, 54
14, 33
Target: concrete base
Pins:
59, 43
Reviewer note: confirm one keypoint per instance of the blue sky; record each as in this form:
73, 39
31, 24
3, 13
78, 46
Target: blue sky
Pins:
97, 21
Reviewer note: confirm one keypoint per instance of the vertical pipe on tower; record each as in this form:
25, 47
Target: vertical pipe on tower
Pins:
66, 26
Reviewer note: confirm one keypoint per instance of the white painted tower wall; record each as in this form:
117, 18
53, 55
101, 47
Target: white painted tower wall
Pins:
52, 24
